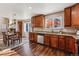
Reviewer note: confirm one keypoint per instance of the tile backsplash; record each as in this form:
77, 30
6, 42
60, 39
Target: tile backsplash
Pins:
69, 30
66, 30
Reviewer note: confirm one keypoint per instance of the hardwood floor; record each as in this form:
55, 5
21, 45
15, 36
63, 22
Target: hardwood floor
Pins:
32, 50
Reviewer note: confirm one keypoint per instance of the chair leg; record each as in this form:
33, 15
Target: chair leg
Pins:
14, 42
8, 42
19, 41
11, 41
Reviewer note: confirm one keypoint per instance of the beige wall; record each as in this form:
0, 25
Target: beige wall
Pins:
61, 13
4, 22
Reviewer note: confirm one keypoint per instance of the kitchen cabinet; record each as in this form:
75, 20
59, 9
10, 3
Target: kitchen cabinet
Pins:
67, 17
38, 21
61, 42
67, 43
33, 37
71, 45
71, 16
47, 39
33, 21
75, 15
54, 41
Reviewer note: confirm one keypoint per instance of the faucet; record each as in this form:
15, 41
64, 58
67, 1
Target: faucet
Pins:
61, 31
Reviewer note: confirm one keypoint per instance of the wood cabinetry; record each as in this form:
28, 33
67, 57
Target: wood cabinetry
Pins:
75, 15
72, 47
38, 21
32, 37
71, 44
54, 41
67, 17
61, 42
71, 16
33, 21
67, 43
47, 39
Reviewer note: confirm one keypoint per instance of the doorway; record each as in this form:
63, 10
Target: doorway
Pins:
27, 29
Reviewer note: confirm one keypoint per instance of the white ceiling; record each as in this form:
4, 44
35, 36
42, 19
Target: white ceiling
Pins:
22, 9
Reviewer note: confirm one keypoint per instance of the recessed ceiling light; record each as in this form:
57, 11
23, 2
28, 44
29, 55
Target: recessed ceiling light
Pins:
30, 8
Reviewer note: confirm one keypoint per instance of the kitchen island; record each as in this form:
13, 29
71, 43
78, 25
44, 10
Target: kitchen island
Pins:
57, 41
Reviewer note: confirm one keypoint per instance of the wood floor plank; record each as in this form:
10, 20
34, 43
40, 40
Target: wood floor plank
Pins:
32, 49
37, 50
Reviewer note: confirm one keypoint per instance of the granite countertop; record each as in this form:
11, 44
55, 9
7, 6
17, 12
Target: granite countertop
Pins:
65, 34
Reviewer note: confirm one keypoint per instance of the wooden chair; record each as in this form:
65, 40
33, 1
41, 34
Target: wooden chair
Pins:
17, 37
10, 39
5, 38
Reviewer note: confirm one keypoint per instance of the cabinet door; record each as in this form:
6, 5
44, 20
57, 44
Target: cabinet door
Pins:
61, 42
30, 36
33, 21
71, 45
38, 21
54, 41
67, 17
75, 15
47, 39
33, 37
67, 43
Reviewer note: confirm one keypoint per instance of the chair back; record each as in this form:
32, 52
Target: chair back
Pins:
18, 34
4, 37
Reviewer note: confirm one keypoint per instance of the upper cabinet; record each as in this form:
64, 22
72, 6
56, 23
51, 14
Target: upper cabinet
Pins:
67, 17
38, 21
75, 15
71, 16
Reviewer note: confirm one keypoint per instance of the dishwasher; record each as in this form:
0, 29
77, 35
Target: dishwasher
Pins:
40, 38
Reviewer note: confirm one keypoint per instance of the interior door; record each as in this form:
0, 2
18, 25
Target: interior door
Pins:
20, 27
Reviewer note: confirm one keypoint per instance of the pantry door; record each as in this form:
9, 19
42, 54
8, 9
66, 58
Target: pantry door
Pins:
20, 27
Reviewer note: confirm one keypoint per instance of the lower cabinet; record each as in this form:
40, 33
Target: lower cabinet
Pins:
33, 37
54, 41
71, 45
66, 43
61, 42
47, 39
